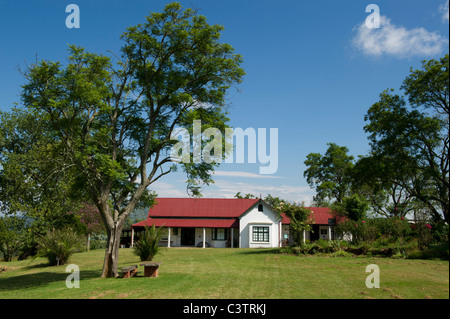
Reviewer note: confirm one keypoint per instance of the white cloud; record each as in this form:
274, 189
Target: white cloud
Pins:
225, 189
444, 10
164, 189
398, 41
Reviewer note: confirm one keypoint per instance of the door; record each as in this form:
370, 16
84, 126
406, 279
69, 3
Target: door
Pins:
187, 236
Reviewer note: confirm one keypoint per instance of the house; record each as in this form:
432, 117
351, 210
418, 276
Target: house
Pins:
213, 222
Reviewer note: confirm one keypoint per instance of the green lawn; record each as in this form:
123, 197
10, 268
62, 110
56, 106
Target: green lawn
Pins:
231, 273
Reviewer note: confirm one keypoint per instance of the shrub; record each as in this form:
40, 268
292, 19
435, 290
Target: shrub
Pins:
147, 245
440, 251
341, 253
98, 241
440, 232
58, 245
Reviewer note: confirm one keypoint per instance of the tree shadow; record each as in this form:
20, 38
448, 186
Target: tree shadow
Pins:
41, 279
259, 251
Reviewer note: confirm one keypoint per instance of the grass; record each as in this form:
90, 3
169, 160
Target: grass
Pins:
230, 273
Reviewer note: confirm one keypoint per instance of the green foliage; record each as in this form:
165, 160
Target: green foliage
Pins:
410, 142
33, 175
299, 216
58, 245
98, 241
354, 207
440, 232
147, 245
106, 123
12, 235
387, 230
329, 174
437, 251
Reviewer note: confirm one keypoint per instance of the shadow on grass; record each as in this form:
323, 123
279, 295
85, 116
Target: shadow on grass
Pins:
40, 279
259, 251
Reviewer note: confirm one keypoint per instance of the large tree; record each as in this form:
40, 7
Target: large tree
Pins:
376, 179
330, 174
411, 141
112, 119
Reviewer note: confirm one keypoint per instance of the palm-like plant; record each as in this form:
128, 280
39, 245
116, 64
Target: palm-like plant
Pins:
58, 245
146, 247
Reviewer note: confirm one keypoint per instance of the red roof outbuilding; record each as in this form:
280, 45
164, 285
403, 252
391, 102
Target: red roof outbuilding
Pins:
211, 212
320, 215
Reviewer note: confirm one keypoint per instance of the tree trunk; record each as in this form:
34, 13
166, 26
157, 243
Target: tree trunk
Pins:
114, 222
110, 269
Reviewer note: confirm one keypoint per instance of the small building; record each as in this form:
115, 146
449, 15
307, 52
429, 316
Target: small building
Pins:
323, 226
214, 222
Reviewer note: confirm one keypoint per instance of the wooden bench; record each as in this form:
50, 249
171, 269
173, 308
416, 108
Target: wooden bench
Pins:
130, 271
151, 269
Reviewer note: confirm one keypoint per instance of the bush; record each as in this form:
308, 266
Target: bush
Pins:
341, 253
98, 241
147, 245
373, 229
439, 251
440, 232
58, 245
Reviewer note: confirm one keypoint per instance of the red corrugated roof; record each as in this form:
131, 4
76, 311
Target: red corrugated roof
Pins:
200, 207
193, 212
184, 222
320, 215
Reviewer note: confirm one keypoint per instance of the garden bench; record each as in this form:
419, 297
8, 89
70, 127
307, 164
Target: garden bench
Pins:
151, 269
130, 271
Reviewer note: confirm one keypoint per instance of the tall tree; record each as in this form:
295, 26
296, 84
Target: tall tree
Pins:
377, 180
113, 118
412, 141
329, 174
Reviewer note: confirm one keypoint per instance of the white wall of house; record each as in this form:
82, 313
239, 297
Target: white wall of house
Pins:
259, 229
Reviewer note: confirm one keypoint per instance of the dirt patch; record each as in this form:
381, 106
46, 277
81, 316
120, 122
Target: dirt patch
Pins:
99, 295
6, 268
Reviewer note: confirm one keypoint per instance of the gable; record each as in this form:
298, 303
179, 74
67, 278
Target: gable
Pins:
267, 212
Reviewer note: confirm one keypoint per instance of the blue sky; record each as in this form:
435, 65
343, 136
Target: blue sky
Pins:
312, 68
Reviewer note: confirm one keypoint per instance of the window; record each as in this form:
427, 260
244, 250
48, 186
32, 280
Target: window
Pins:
260, 208
260, 234
220, 234
323, 231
